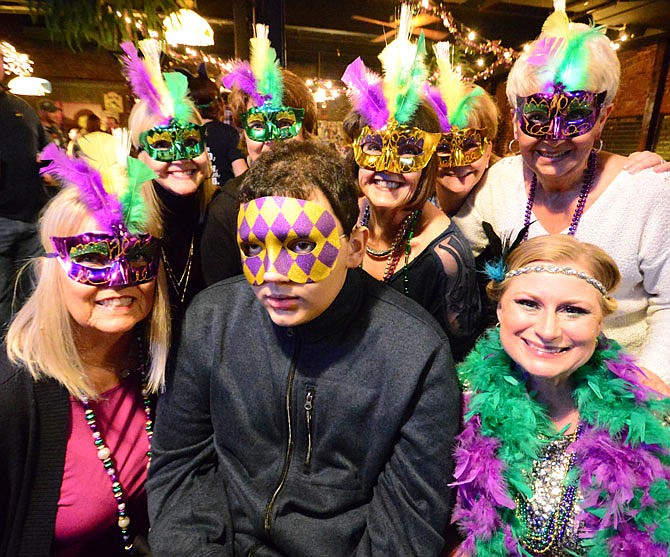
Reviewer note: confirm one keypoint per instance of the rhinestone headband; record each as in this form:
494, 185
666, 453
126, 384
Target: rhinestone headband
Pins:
569, 271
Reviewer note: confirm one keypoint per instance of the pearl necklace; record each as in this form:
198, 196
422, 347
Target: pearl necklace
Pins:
581, 201
105, 455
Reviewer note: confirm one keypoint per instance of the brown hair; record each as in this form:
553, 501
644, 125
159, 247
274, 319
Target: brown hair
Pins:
564, 250
296, 95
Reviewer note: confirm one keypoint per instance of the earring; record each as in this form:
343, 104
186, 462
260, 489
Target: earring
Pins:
600, 146
510, 146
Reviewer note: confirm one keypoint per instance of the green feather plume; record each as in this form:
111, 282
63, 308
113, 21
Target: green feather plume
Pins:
573, 69
177, 85
405, 71
132, 200
265, 67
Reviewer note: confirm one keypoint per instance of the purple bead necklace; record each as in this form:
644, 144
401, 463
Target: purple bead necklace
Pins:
105, 455
581, 201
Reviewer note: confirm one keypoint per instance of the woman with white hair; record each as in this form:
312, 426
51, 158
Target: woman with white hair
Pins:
562, 181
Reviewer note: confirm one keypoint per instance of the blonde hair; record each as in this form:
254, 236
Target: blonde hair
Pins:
564, 250
484, 114
41, 336
603, 72
142, 119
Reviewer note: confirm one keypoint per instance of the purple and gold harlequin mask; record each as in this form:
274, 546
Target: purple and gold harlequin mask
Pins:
296, 238
98, 259
461, 147
560, 115
397, 148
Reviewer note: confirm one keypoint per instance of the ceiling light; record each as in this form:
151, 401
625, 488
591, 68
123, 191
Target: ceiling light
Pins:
186, 27
30, 86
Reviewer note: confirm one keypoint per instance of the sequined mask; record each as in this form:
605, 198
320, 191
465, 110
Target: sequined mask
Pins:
461, 147
296, 238
397, 148
561, 115
266, 123
100, 259
175, 142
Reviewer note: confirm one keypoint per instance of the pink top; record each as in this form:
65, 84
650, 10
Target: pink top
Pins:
86, 520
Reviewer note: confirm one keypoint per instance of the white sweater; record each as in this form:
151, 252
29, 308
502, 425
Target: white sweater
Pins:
630, 221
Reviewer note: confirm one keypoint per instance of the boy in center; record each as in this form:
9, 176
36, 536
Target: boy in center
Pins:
312, 408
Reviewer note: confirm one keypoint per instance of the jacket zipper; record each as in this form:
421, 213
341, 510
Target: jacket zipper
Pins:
309, 410
267, 522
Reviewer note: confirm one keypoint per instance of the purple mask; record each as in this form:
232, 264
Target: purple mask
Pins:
561, 115
98, 259
293, 237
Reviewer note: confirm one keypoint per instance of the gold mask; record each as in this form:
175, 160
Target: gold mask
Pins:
461, 147
397, 148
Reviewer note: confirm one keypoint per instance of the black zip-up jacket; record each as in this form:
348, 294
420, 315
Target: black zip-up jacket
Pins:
332, 438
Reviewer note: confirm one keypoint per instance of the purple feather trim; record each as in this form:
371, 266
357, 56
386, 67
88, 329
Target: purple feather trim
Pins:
434, 98
610, 471
627, 369
243, 78
140, 79
366, 94
78, 173
631, 542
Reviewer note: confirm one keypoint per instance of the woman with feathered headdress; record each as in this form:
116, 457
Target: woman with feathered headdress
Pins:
269, 103
169, 135
562, 181
412, 245
83, 359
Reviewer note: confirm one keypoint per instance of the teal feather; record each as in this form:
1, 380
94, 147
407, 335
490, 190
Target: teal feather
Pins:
409, 91
177, 85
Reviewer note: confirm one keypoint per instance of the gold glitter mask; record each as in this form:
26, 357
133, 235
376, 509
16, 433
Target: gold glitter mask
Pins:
461, 147
397, 148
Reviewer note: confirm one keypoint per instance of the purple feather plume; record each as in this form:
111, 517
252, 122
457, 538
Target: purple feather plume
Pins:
366, 94
140, 79
242, 77
78, 173
627, 369
433, 96
631, 542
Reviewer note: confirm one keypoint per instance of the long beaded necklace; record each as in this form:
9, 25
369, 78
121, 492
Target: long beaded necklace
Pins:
547, 528
105, 455
581, 201
402, 240
180, 285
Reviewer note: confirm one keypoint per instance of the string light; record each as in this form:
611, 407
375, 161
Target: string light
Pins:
14, 62
488, 55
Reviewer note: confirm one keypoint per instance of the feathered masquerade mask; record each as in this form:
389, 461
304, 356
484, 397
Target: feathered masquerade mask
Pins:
175, 137
261, 79
454, 100
563, 108
110, 183
389, 103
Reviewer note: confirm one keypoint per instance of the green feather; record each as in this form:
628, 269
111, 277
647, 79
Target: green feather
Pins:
460, 116
132, 200
177, 85
573, 70
409, 89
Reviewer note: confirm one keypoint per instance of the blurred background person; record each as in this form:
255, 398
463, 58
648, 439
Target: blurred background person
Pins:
221, 139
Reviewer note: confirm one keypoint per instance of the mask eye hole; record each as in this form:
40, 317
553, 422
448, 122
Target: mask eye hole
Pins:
250, 249
92, 259
302, 246
372, 145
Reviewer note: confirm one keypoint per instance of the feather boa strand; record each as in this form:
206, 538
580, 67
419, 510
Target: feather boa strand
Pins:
622, 458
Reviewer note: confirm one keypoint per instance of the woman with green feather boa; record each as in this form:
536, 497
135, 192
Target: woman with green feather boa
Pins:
565, 450
412, 245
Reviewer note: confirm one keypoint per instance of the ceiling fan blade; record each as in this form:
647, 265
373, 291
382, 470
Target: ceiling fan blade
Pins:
375, 21
385, 36
424, 19
431, 34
